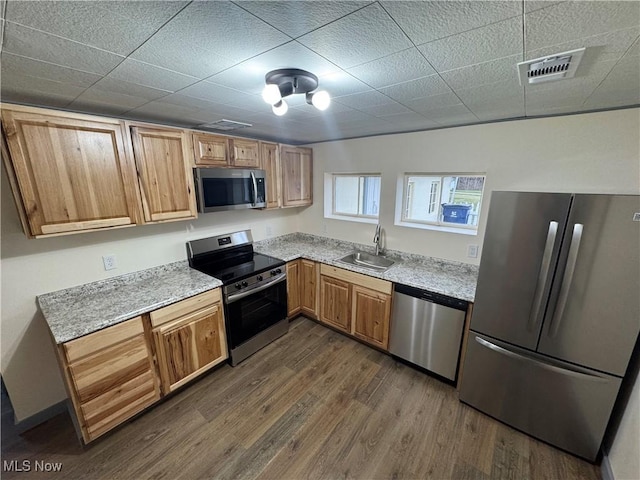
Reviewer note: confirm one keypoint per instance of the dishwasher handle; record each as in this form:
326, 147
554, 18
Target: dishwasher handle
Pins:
432, 297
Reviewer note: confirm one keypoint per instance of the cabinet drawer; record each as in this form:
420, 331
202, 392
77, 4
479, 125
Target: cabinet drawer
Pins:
89, 344
115, 406
366, 281
184, 307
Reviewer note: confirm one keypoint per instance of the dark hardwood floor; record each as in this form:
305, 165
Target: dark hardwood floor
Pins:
314, 404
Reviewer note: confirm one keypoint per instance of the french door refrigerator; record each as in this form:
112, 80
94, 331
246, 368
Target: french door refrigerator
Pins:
556, 314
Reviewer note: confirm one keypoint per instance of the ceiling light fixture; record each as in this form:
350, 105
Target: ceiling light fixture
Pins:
288, 81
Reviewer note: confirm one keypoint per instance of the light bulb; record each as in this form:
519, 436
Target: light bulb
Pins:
280, 108
271, 94
321, 100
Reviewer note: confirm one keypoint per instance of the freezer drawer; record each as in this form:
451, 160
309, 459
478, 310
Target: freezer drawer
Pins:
426, 333
564, 405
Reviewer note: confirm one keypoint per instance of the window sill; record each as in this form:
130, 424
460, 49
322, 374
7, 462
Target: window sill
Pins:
372, 221
439, 228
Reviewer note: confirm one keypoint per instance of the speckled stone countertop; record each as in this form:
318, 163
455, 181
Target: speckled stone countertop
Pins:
77, 311
454, 279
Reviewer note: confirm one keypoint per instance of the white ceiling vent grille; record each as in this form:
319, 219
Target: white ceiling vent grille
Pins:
226, 125
553, 67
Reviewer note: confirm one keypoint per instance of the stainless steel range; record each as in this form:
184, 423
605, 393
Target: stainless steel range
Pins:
254, 290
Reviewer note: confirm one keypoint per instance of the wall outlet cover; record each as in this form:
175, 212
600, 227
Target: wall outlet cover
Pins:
472, 251
109, 262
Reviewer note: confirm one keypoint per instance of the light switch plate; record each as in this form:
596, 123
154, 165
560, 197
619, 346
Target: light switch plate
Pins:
472, 251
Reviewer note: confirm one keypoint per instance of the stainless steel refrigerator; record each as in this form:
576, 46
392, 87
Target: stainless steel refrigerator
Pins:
556, 314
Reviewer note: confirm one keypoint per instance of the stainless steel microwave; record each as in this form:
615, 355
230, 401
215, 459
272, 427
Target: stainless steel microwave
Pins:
220, 189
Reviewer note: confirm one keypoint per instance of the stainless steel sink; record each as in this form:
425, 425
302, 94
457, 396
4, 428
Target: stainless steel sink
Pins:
366, 260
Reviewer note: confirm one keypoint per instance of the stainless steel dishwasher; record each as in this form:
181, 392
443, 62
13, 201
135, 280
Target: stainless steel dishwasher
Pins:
426, 329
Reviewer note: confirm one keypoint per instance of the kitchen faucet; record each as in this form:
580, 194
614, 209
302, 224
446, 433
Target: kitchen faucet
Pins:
377, 238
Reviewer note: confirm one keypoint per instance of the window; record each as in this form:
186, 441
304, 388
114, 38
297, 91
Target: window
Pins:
352, 195
450, 201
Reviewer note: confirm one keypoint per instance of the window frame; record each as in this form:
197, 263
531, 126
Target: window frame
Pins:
330, 200
402, 203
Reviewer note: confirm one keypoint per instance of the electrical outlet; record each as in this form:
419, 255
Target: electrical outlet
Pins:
109, 262
269, 230
472, 251
324, 228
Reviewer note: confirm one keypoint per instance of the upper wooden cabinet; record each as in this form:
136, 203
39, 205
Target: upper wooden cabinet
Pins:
163, 159
297, 176
210, 150
72, 172
244, 153
270, 163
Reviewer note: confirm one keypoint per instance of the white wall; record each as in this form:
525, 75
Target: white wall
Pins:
594, 153
32, 267
590, 153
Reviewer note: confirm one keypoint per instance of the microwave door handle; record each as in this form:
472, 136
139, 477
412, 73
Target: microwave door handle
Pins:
255, 189
567, 278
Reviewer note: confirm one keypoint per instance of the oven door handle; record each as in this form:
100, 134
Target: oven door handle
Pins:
239, 296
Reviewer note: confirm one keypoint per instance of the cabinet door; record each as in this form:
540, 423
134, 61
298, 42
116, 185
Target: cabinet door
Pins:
270, 163
297, 171
244, 153
335, 303
210, 150
309, 287
371, 314
190, 346
110, 376
293, 288
165, 172
73, 173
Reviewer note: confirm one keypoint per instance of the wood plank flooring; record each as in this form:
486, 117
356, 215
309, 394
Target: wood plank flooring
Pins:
313, 405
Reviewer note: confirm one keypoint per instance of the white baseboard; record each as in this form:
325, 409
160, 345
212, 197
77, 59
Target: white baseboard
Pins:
605, 468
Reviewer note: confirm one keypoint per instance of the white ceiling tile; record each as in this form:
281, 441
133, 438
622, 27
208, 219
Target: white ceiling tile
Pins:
117, 31
452, 113
384, 110
198, 43
430, 20
544, 111
249, 76
492, 71
341, 83
96, 101
395, 68
376, 33
364, 100
37, 98
15, 83
499, 113
533, 5
634, 50
110, 85
3, 4
140, 73
287, 17
577, 19
163, 111
603, 47
421, 87
424, 105
494, 41
621, 87
409, 119
212, 92
41, 46
14, 63
491, 93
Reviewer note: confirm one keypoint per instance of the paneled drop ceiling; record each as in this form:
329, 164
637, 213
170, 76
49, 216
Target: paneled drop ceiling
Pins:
390, 66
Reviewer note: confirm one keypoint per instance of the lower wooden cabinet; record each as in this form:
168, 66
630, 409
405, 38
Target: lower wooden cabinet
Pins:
309, 286
356, 304
189, 338
293, 288
110, 376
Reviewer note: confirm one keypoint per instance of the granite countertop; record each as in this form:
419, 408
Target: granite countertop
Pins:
78, 311
454, 279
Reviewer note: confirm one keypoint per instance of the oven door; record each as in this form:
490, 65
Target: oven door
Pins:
249, 313
220, 189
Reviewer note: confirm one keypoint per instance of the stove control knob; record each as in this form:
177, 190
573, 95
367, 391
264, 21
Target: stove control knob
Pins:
273, 273
245, 284
238, 286
259, 278
278, 271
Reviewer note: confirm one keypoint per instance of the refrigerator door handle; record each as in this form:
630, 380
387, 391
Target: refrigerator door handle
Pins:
572, 258
545, 265
565, 370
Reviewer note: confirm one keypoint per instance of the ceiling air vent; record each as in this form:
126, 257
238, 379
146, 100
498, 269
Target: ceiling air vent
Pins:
553, 67
226, 125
